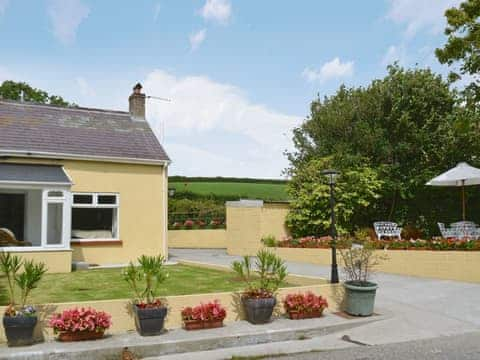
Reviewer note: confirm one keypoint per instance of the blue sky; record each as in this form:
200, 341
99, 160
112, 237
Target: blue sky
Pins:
240, 74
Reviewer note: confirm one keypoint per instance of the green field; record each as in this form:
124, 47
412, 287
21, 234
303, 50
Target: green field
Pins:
263, 191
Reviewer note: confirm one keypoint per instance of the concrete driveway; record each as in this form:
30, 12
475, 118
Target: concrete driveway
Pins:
421, 308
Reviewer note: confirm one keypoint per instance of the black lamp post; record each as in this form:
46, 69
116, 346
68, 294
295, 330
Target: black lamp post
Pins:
332, 175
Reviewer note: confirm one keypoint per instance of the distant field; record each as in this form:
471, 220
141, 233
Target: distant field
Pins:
263, 191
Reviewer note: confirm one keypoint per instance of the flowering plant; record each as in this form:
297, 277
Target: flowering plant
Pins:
189, 223
83, 319
308, 302
204, 312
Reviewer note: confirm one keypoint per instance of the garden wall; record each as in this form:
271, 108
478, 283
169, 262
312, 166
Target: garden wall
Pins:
123, 321
198, 239
449, 265
249, 220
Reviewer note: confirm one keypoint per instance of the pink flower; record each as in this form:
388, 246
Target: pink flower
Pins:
209, 311
80, 320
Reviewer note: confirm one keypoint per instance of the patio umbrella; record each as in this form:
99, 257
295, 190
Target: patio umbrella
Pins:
461, 175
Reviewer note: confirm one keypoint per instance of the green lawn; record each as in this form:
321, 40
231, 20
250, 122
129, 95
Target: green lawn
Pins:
274, 192
104, 284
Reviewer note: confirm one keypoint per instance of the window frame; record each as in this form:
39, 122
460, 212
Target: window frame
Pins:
96, 205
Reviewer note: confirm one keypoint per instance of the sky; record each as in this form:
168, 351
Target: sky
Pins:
240, 74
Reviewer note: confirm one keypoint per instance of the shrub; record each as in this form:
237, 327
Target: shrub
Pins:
145, 279
204, 312
269, 241
270, 271
308, 302
83, 319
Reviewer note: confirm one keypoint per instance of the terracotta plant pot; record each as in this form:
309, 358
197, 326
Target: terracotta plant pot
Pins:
298, 315
80, 335
199, 324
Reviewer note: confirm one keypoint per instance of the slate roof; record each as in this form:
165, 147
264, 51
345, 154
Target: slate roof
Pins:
35, 128
45, 174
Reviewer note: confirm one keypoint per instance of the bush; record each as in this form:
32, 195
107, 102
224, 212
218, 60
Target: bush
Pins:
269, 241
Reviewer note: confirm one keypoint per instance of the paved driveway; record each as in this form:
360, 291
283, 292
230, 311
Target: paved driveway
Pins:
420, 307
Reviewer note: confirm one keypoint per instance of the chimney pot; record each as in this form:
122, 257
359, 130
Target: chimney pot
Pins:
137, 103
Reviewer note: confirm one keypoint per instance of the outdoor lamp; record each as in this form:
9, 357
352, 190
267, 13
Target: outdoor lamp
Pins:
332, 175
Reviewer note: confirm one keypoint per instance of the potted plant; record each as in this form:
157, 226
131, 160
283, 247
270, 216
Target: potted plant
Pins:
359, 259
20, 320
204, 316
80, 324
304, 306
258, 298
145, 279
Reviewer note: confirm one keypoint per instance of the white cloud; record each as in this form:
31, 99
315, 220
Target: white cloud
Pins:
66, 16
3, 6
217, 10
197, 38
85, 89
395, 53
330, 70
156, 11
239, 137
420, 14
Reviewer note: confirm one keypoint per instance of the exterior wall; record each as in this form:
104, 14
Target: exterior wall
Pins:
246, 225
198, 239
142, 210
57, 261
123, 320
448, 265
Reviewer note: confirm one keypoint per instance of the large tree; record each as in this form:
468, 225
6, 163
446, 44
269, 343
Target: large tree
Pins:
405, 128
462, 49
12, 90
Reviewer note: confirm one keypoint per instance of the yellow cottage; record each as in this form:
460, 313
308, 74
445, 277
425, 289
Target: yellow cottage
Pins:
81, 185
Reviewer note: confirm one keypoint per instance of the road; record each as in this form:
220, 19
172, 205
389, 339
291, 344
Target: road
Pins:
458, 347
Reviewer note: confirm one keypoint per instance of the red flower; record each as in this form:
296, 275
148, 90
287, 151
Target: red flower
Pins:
308, 302
83, 319
209, 311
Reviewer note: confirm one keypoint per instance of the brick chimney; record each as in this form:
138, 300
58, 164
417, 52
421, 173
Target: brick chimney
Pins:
136, 103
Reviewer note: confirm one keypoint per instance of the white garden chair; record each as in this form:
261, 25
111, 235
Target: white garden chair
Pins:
387, 228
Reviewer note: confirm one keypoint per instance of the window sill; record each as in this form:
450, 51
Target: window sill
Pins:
95, 242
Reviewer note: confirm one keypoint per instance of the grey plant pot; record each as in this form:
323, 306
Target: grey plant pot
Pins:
19, 329
149, 322
360, 298
259, 311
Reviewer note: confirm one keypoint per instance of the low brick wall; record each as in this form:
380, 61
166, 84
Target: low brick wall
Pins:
123, 321
448, 265
198, 239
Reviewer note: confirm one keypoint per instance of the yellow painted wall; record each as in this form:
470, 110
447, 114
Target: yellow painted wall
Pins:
448, 265
141, 215
198, 239
56, 261
123, 320
247, 225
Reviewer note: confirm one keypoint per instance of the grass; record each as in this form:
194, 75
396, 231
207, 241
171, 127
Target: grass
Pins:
274, 192
105, 284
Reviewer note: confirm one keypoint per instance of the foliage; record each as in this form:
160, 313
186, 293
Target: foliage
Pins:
146, 278
26, 281
83, 319
269, 241
463, 46
11, 90
323, 242
403, 129
308, 302
263, 280
356, 190
359, 259
219, 179
212, 310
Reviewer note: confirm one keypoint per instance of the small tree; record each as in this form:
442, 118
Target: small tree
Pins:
26, 281
263, 280
145, 279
